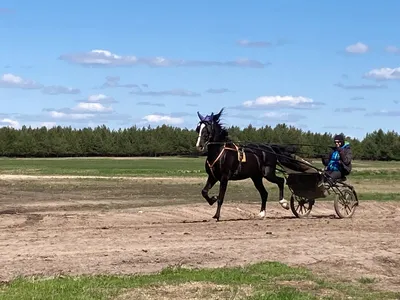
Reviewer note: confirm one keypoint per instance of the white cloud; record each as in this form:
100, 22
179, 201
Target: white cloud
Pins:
62, 115
9, 123
282, 116
82, 111
285, 101
274, 115
99, 98
392, 49
92, 107
357, 48
163, 119
9, 80
106, 58
384, 74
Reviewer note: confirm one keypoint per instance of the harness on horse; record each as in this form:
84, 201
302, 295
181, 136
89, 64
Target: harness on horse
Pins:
241, 156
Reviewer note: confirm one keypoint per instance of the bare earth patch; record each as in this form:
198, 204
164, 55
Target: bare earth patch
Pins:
189, 291
48, 239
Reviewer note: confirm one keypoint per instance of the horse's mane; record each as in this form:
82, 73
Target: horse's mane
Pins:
223, 132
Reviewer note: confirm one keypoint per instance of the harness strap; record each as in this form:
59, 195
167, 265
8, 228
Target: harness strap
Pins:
219, 157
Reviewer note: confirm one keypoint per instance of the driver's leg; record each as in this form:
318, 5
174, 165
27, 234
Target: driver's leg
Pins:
335, 174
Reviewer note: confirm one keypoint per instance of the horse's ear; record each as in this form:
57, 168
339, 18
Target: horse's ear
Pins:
218, 115
200, 116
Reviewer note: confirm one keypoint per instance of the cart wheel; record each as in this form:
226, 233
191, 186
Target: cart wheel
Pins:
345, 203
300, 206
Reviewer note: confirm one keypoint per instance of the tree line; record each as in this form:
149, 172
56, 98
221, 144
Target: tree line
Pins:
171, 141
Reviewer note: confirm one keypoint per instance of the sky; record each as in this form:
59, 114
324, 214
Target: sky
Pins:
323, 66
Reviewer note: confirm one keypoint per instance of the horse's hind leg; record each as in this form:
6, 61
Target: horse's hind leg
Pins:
211, 181
263, 193
269, 174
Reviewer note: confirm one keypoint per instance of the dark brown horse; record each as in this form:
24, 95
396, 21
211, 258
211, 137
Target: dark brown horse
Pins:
228, 161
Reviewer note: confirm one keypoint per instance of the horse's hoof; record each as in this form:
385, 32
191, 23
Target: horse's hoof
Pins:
212, 200
262, 214
284, 203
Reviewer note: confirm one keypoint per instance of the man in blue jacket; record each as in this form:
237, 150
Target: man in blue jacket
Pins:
338, 163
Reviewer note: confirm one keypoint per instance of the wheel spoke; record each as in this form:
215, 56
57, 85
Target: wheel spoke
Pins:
345, 203
300, 206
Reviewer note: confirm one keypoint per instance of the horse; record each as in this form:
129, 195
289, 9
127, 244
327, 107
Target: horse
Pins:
228, 161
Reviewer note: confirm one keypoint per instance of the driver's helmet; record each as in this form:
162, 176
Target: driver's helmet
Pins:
339, 138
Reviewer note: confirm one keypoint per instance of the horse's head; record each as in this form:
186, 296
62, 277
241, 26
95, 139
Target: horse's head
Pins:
209, 130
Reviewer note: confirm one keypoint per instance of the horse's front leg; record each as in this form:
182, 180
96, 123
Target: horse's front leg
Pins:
222, 189
211, 181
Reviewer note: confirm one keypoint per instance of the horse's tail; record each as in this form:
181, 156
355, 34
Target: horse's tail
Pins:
284, 150
278, 150
286, 156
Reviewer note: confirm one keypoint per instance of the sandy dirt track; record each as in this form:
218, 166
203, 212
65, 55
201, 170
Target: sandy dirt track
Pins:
41, 240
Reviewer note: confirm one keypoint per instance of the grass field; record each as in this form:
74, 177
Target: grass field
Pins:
168, 166
272, 281
374, 180
71, 237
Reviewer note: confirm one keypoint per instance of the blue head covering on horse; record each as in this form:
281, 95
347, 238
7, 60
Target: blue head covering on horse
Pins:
207, 118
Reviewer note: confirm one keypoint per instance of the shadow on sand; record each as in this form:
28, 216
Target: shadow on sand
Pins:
255, 218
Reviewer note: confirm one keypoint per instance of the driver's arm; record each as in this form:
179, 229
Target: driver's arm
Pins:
325, 160
345, 156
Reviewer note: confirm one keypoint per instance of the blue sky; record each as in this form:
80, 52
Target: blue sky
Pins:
320, 66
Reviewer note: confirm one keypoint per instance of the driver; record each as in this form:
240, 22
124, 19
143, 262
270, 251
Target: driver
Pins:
338, 163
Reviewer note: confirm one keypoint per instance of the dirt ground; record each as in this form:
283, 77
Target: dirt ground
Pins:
70, 226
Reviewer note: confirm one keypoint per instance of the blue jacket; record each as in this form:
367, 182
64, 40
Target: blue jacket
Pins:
339, 160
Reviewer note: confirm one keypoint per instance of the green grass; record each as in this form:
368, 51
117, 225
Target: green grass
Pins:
372, 180
267, 280
105, 167
158, 167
